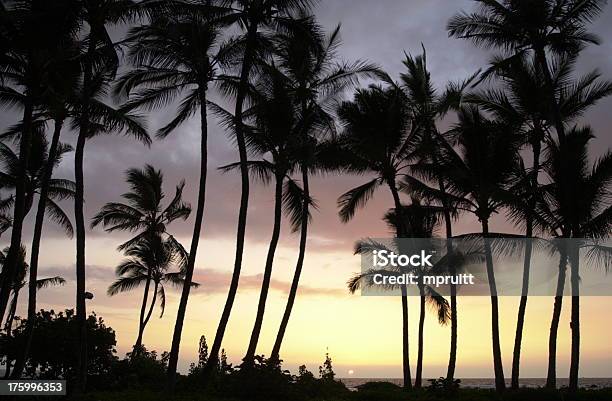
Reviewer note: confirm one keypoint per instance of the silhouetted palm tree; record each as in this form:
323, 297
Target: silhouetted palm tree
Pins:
308, 60
537, 27
272, 128
376, 126
18, 284
256, 19
426, 106
144, 214
176, 56
522, 102
150, 260
31, 32
576, 217
479, 176
95, 117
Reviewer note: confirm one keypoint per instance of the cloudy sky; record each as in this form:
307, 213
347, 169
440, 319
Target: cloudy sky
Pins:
362, 334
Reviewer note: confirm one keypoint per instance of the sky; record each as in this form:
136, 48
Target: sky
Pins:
362, 334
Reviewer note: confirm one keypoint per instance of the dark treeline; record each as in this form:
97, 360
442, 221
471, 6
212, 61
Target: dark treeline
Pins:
518, 147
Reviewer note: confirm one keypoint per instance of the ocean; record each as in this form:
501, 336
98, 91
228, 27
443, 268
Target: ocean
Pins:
594, 383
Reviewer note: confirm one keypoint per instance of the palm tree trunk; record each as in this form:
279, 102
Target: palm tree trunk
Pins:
265, 285
298, 269
141, 320
8, 327
145, 319
180, 315
575, 318
520, 322
150, 312
551, 377
452, 358
19, 210
80, 260
500, 384
213, 359
405, 334
34, 252
418, 378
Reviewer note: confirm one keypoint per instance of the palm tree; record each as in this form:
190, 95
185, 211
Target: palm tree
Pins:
478, 178
272, 127
522, 102
173, 59
94, 117
150, 260
58, 189
373, 142
426, 107
307, 59
32, 32
586, 216
255, 19
521, 27
143, 213
16, 287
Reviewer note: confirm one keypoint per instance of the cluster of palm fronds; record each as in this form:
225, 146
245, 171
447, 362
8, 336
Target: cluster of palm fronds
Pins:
61, 68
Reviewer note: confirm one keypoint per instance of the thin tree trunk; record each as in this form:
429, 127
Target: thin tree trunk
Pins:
551, 377
213, 359
19, 210
81, 311
418, 378
34, 252
452, 358
557, 118
143, 308
520, 322
405, 335
298, 269
195, 240
575, 319
265, 285
500, 384
150, 312
11, 315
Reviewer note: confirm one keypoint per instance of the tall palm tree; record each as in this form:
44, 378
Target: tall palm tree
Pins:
479, 176
373, 142
99, 64
31, 32
308, 60
522, 102
537, 27
144, 214
418, 221
176, 56
426, 106
586, 216
256, 19
150, 260
272, 126
19, 283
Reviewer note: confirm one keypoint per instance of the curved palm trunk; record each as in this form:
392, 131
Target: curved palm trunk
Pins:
265, 285
80, 261
405, 336
213, 359
145, 319
8, 327
19, 210
551, 377
34, 252
418, 378
143, 308
195, 240
498, 367
520, 322
298, 270
452, 358
150, 312
575, 319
